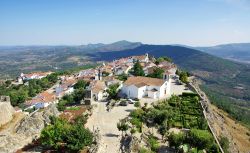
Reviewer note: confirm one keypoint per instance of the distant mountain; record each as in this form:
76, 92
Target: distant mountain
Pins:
116, 46
238, 52
227, 83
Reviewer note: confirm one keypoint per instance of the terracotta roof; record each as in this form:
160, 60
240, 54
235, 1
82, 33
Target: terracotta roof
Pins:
97, 86
139, 81
140, 84
142, 57
151, 69
109, 78
43, 97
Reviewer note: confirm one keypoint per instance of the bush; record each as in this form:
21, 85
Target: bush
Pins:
81, 84
202, 139
137, 104
175, 140
61, 134
154, 144
113, 91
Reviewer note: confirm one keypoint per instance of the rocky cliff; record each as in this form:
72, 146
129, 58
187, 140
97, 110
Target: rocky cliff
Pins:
27, 130
6, 110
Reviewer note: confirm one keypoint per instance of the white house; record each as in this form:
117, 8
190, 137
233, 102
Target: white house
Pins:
97, 88
42, 100
139, 87
34, 75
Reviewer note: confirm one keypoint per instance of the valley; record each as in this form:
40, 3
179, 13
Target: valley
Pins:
227, 83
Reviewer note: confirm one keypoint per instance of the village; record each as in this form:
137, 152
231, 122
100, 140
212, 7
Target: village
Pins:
108, 95
105, 75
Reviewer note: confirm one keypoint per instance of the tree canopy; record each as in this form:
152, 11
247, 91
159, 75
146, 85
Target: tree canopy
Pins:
137, 69
61, 134
157, 73
113, 91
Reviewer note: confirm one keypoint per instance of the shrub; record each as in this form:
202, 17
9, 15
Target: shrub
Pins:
137, 104
202, 139
154, 144
175, 140
61, 134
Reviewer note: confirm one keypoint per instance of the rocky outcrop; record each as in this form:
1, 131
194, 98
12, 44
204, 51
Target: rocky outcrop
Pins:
34, 123
6, 110
27, 130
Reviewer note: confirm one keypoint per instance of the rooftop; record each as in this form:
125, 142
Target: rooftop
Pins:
140, 81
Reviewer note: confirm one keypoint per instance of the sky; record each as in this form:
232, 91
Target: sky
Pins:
78, 22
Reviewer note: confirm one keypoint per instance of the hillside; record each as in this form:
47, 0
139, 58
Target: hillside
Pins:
238, 52
226, 82
17, 59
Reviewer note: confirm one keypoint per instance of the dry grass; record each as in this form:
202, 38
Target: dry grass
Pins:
237, 131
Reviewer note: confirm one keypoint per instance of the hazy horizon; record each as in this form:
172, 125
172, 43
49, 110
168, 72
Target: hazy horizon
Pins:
57, 45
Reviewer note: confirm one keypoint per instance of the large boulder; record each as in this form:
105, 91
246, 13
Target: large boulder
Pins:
32, 125
27, 130
6, 111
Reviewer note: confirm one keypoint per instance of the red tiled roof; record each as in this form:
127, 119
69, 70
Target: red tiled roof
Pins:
140, 81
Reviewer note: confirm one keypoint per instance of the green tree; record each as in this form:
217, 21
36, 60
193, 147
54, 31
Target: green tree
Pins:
61, 106
122, 126
52, 77
61, 134
78, 137
113, 91
79, 95
137, 69
175, 140
157, 73
81, 84
55, 135
184, 77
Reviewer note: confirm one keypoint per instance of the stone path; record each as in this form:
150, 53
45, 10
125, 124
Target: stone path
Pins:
106, 123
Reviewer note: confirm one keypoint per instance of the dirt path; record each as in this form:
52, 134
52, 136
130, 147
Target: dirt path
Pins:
106, 122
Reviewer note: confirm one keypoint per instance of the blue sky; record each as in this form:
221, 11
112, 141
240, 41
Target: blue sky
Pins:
76, 22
